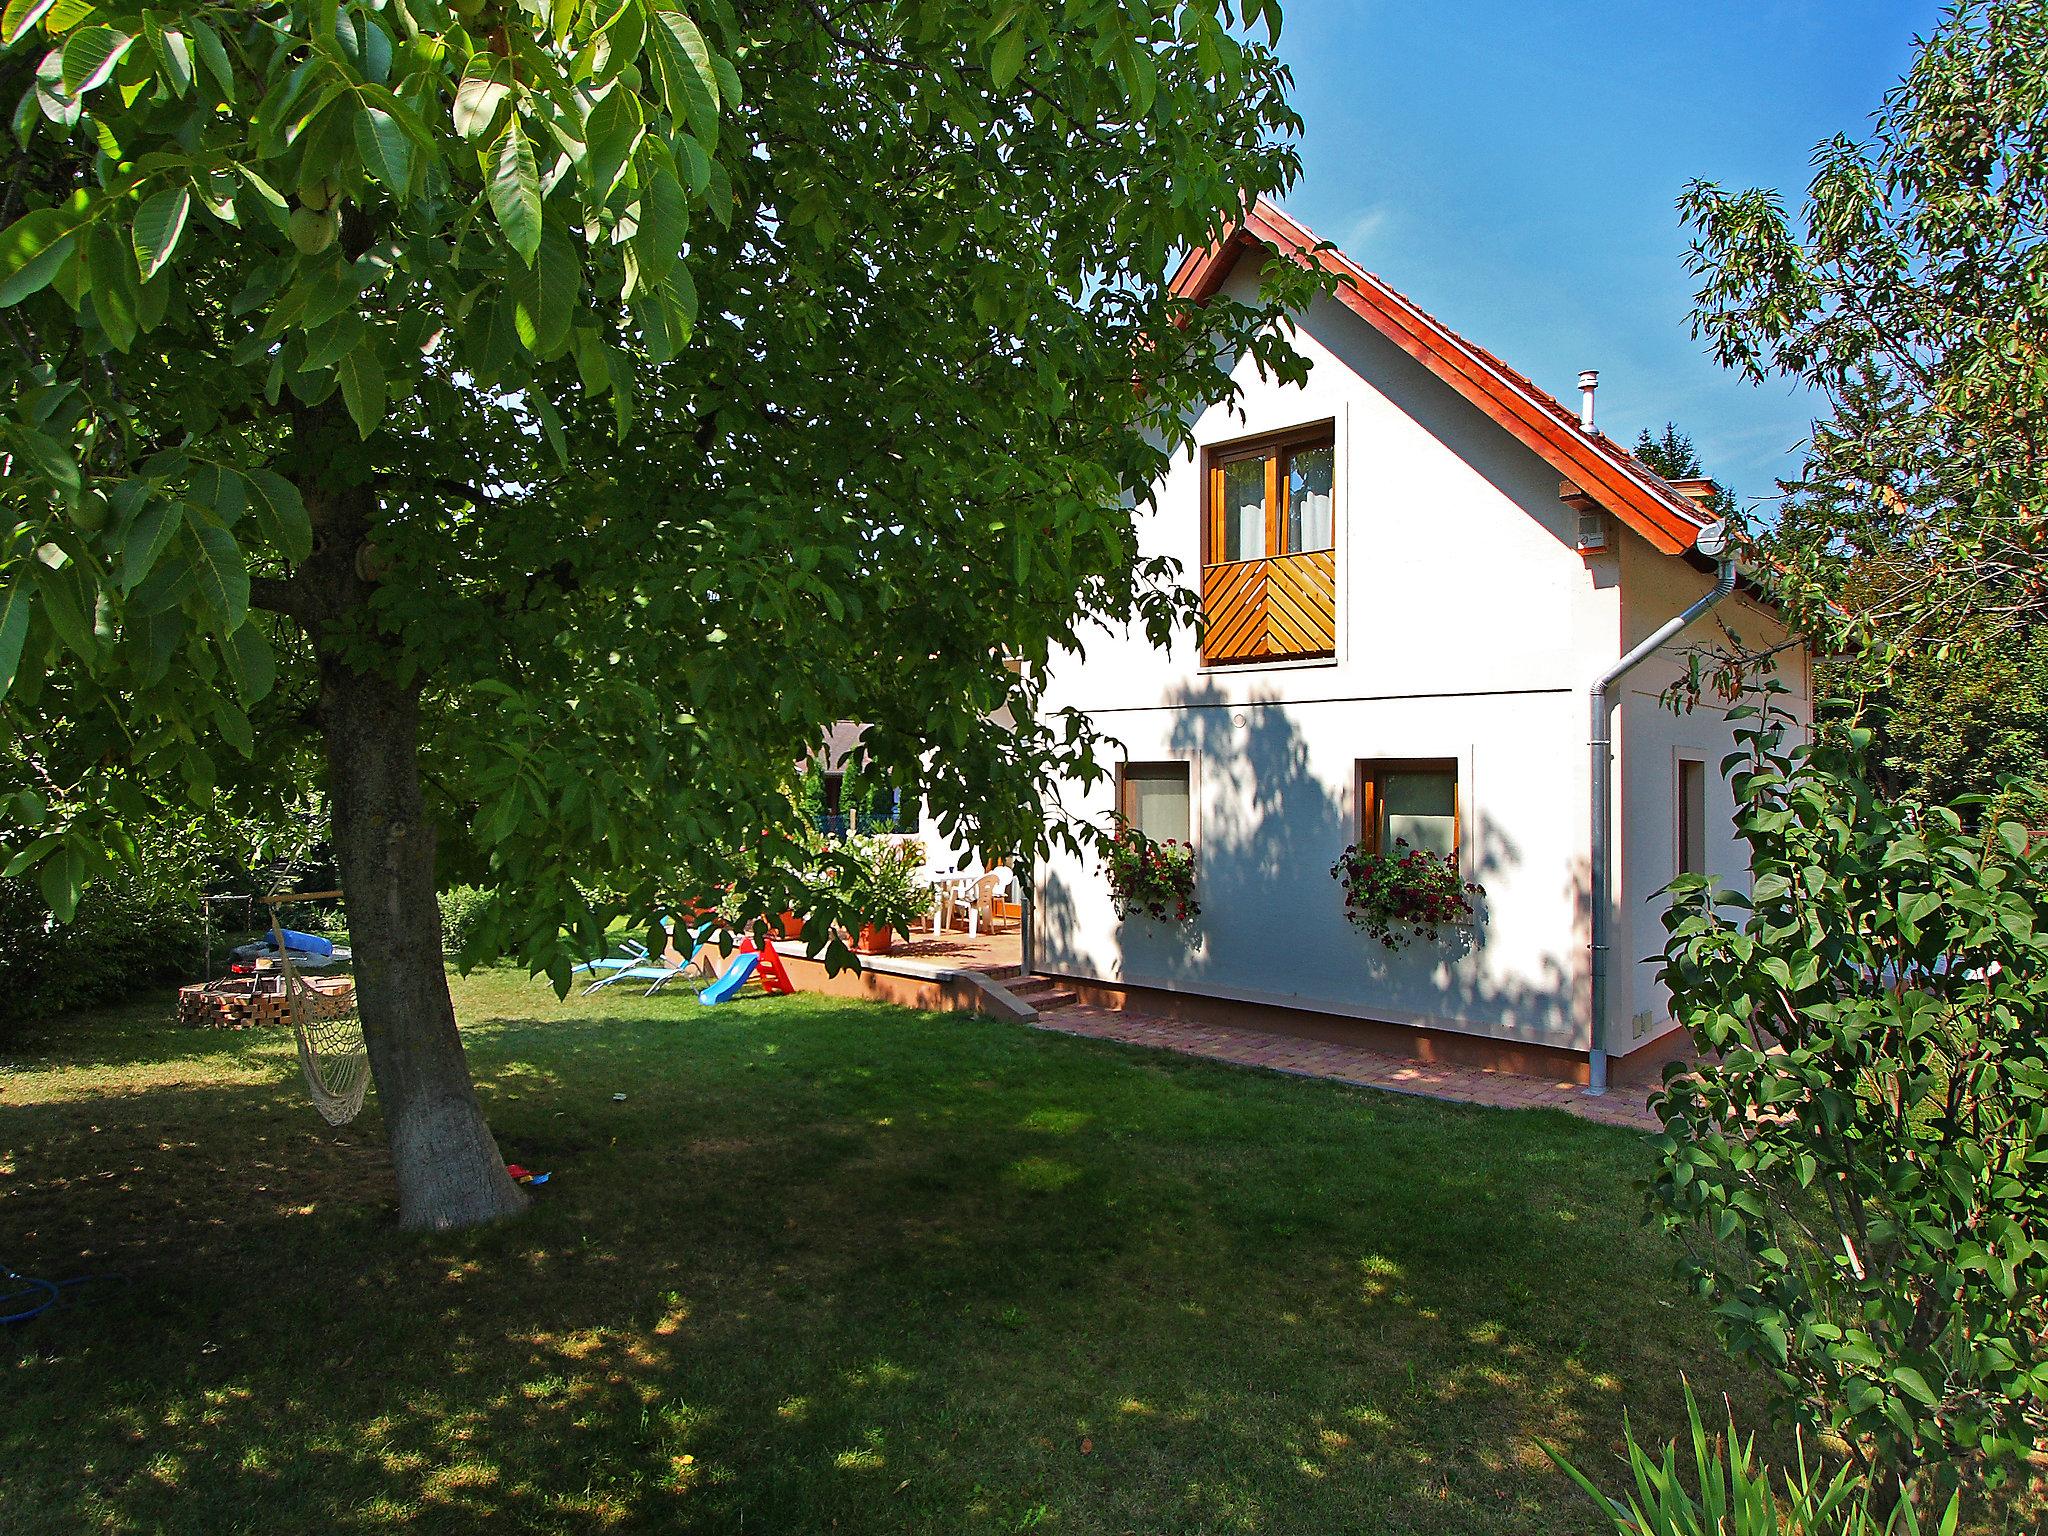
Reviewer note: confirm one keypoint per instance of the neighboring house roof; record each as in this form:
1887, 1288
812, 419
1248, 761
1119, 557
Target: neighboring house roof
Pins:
1600, 467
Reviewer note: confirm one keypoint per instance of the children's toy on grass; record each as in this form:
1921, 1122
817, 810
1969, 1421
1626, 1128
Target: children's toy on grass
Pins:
750, 962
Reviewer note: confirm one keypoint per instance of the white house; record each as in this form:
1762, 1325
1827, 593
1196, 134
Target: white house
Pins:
1414, 571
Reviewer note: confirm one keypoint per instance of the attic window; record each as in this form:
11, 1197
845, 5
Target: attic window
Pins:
1269, 535
1273, 496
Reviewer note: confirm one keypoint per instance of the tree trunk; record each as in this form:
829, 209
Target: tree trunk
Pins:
450, 1173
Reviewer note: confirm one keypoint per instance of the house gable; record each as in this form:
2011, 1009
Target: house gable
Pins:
1595, 464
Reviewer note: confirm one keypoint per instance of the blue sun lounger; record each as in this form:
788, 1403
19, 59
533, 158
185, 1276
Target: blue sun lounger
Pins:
632, 954
654, 972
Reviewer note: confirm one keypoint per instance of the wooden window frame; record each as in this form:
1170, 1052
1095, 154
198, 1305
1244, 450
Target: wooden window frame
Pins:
1123, 802
1369, 772
1275, 448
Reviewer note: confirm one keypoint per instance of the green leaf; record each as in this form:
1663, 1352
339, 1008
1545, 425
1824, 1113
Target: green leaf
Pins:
53, 460
696, 165
485, 85
728, 79
25, 859
689, 84
60, 877
385, 149
1007, 56
376, 49
614, 128
144, 539
13, 630
110, 263
545, 304
159, 223
362, 386
67, 605
222, 492
664, 222
32, 249
215, 57
281, 512
551, 426
19, 16
234, 727
90, 55
515, 192
165, 587
250, 660
1913, 1384
329, 343
173, 53
223, 578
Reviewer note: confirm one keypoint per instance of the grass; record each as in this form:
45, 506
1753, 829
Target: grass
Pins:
830, 1266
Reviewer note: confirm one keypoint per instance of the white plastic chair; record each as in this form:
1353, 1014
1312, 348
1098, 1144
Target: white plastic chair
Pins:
952, 888
998, 885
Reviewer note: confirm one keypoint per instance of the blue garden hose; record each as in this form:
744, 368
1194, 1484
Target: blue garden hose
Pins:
33, 1297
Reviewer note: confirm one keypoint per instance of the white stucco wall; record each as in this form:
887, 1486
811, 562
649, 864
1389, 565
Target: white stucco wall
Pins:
1650, 739
1469, 627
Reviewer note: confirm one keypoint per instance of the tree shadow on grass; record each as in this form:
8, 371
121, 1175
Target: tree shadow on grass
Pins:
835, 1267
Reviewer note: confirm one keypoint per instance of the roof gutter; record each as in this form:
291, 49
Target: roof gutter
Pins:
1714, 544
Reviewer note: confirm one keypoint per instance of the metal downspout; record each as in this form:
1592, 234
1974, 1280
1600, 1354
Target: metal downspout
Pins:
1027, 925
1713, 543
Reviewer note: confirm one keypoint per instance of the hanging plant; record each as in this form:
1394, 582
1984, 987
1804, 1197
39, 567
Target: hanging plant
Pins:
1155, 878
1404, 895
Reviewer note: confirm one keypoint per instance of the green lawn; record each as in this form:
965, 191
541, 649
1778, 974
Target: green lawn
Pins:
829, 1267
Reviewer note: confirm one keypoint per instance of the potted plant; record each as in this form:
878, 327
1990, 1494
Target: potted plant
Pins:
1155, 878
1403, 895
881, 885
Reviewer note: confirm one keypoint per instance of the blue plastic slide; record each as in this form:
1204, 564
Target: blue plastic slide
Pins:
730, 980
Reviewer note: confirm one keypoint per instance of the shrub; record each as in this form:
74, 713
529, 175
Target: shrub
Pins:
1156, 878
1734, 1495
1404, 895
137, 925
462, 912
1857, 1162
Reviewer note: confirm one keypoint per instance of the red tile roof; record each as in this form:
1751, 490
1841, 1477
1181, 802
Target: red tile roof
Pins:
1607, 472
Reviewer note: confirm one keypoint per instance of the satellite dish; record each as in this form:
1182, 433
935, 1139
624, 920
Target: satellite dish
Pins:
1713, 541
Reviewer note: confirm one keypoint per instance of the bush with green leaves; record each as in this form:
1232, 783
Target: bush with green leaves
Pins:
1858, 1161
137, 926
462, 911
1731, 1493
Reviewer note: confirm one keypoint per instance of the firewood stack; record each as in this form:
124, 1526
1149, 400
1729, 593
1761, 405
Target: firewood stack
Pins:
259, 1002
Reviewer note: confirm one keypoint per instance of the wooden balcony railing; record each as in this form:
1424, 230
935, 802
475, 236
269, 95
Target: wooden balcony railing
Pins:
1281, 608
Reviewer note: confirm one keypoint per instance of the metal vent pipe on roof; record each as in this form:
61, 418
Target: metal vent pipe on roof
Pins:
1589, 380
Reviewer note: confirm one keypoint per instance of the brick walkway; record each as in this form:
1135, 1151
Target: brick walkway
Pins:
1622, 1106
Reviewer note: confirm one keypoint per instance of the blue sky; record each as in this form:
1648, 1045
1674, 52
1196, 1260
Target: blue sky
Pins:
1511, 165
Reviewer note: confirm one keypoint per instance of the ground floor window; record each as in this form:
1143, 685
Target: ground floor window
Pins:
1155, 799
1692, 816
1408, 800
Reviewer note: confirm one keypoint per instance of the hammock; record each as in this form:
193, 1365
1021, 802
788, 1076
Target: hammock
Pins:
329, 1031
